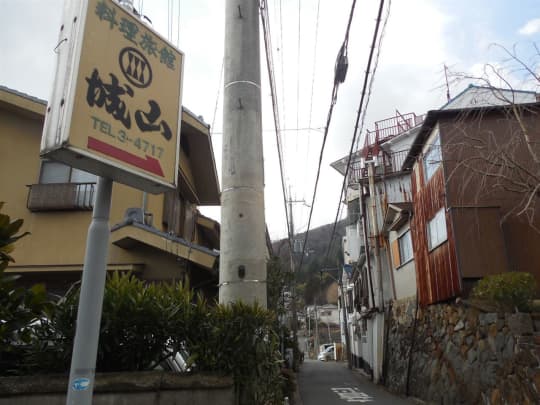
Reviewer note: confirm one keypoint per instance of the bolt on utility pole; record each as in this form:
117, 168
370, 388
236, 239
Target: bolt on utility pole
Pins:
242, 274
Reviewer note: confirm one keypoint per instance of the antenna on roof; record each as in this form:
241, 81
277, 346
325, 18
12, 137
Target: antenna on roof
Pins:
447, 87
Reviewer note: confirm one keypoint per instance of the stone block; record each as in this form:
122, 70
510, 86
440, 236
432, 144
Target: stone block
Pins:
488, 376
459, 326
469, 340
472, 355
487, 319
492, 330
499, 342
536, 380
537, 325
509, 347
495, 397
526, 358
520, 323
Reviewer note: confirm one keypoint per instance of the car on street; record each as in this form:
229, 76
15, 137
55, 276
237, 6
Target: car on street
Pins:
326, 354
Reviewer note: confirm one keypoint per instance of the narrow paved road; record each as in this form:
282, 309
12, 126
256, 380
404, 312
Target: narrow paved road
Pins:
332, 383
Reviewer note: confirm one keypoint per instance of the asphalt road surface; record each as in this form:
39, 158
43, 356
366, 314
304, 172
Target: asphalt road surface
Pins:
332, 383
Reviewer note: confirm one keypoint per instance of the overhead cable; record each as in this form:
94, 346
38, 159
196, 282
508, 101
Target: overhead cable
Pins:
271, 77
361, 110
333, 100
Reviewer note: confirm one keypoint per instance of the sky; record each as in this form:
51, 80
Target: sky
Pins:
420, 38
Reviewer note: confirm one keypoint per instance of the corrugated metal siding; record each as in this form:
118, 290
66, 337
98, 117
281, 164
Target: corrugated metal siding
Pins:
437, 275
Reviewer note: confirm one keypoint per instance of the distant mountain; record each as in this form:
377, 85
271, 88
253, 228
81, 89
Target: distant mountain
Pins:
317, 244
308, 277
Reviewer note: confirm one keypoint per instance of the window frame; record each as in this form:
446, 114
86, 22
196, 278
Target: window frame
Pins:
403, 261
434, 151
436, 220
70, 172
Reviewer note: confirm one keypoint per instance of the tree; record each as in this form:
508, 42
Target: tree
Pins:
490, 164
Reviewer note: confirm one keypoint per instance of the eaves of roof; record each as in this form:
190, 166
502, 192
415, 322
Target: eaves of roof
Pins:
22, 103
434, 116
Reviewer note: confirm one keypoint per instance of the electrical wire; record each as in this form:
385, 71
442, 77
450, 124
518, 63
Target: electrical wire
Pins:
312, 82
271, 76
337, 81
217, 98
298, 70
178, 25
282, 56
375, 66
361, 110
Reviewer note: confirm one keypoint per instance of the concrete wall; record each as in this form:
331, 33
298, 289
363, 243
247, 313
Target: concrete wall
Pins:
148, 388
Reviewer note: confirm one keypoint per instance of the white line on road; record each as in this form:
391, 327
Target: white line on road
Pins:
351, 394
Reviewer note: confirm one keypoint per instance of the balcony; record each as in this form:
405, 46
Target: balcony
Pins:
392, 127
386, 164
61, 197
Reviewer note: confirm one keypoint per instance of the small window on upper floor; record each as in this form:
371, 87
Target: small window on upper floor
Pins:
433, 157
436, 230
405, 247
56, 172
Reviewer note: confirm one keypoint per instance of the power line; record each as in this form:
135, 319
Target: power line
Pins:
360, 111
217, 98
340, 72
372, 79
298, 70
312, 81
271, 77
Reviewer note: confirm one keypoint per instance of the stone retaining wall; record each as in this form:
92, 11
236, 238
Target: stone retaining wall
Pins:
148, 388
462, 354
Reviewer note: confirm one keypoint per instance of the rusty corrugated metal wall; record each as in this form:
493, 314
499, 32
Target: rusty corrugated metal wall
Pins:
437, 275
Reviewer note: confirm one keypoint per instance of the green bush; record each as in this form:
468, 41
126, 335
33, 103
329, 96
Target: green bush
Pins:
507, 290
20, 307
143, 323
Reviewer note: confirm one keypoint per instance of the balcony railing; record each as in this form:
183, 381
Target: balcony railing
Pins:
387, 163
391, 127
61, 196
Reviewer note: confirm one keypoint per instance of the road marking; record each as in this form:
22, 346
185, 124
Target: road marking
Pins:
350, 394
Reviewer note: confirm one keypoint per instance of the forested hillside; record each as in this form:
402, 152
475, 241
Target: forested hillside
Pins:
310, 286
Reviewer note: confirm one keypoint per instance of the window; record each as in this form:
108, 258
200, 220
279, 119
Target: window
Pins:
405, 247
436, 229
55, 172
73, 186
432, 158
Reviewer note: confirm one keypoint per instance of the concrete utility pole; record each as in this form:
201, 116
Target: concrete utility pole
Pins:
242, 272
294, 318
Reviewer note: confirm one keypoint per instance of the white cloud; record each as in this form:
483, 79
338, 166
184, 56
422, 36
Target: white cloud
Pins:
531, 27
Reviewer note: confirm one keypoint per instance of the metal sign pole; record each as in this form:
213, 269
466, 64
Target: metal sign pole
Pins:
83, 360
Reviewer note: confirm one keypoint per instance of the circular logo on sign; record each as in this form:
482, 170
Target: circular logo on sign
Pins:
135, 67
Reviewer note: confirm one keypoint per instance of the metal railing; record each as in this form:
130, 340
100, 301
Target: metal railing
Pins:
387, 163
391, 127
61, 196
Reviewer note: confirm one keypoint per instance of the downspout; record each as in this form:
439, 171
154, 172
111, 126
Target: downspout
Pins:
387, 244
366, 244
409, 360
346, 324
375, 234
144, 206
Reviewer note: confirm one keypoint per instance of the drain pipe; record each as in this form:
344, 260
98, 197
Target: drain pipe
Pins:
366, 244
409, 365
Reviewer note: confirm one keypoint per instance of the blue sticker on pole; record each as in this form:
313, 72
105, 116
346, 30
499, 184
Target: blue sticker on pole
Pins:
80, 384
